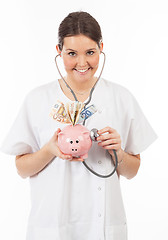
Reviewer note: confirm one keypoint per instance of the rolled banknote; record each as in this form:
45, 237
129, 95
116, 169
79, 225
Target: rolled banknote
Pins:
73, 110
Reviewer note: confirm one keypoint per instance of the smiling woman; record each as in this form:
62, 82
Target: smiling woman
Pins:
80, 55
80, 45
68, 202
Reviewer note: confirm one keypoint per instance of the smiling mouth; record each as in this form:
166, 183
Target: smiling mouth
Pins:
82, 70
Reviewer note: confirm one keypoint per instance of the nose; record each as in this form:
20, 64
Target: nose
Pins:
82, 61
74, 149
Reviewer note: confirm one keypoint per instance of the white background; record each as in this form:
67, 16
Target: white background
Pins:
135, 34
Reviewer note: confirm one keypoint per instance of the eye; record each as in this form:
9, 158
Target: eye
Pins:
90, 52
77, 141
71, 141
72, 54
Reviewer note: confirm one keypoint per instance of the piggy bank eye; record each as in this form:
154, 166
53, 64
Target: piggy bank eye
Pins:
71, 141
77, 141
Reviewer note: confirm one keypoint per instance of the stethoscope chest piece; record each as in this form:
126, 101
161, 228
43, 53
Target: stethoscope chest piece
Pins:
94, 134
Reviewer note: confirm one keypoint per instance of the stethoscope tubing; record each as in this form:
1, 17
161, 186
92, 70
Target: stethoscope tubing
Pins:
104, 176
90, 97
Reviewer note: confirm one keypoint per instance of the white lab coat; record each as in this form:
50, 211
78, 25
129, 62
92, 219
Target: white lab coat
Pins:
68, 201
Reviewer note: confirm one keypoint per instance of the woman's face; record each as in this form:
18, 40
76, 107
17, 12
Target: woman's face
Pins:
81, 57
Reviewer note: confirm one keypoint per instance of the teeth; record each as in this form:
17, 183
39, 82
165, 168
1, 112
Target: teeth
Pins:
82, 70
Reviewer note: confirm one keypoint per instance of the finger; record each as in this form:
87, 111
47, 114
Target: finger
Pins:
58, 131
108, 142
55, 136
65, 157
77, 159
106, 129
106, 137
113, 146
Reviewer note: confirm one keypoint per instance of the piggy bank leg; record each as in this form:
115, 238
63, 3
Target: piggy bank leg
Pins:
84, 156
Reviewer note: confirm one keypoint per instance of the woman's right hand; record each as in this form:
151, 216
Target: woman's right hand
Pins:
52, 148
32, 163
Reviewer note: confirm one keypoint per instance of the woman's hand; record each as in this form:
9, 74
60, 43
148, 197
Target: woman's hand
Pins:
52, 148
110, 140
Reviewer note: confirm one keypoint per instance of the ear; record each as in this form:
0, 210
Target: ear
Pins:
60, 135
101, 46
58, 50
86, 134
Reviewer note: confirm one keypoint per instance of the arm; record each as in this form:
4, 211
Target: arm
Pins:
128, 164
30, 164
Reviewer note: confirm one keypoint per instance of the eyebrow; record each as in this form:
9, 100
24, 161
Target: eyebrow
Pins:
72, 50
69, 49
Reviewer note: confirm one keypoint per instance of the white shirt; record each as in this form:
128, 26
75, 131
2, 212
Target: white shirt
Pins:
68, 201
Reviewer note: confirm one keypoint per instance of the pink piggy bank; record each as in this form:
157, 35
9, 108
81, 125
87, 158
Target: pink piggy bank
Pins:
75, 140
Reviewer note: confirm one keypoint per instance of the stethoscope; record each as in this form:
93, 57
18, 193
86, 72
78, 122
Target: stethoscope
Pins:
94, 132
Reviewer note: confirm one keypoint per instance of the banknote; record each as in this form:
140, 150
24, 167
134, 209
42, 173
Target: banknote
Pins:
59, 114
68, 113
87, 112
73, 110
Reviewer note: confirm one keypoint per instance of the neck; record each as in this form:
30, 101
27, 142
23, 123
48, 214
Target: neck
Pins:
82, 87
82, 93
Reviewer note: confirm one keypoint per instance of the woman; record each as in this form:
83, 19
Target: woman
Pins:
69, 202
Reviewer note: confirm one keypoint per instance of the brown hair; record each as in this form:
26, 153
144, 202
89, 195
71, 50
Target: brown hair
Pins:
79, 23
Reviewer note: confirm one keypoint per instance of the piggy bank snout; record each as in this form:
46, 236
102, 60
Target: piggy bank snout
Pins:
74, 145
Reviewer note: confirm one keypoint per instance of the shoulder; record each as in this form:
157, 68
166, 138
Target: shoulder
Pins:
45, 89
119, 97
42, 93
41, 96
116, 90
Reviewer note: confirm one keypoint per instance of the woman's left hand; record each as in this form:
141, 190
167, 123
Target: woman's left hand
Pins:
110, 140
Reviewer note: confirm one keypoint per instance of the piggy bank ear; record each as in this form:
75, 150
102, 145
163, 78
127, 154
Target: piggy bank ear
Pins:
60, 135
86, 134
